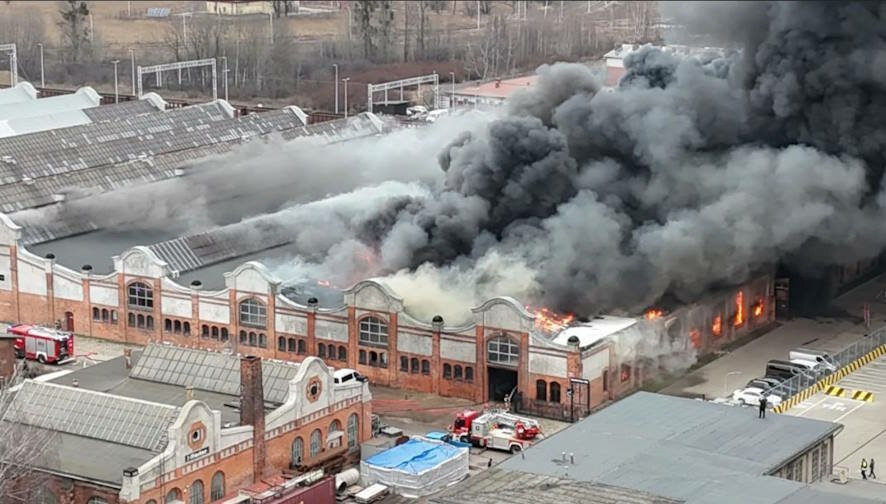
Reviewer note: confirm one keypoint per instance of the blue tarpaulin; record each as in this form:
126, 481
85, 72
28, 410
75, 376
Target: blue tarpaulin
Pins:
414, 457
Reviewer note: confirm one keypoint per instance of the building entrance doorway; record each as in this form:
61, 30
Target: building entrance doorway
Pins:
501, 382
69, 322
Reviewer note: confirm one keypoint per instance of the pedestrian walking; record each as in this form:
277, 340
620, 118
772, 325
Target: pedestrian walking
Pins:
864, 468
871, 469
762, 413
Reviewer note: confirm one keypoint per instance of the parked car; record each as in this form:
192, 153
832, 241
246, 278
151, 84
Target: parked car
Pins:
785, 370
822, 358
417, 112
752, 396
436, 114
764, 383
347, 375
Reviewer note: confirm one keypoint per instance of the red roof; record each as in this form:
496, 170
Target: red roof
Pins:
498, 88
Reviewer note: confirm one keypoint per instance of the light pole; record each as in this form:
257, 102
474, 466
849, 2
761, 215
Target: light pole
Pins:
116, 94
452, 94
335, 66
726, 382
271, 24
225, 73
132, 61
570, 392
345, 80
42, 76
478, 15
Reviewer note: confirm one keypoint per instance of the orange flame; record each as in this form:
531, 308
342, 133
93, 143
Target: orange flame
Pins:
653, 313
739, 309
758, 308
550, 321
717, 326
695, 338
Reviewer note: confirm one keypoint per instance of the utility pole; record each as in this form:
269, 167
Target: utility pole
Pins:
335, 66
91, 29
561, 12
345, 80
116, 93
271, 25
129, 8
225, 73
42, 77
132, 60
452, 94
478, 15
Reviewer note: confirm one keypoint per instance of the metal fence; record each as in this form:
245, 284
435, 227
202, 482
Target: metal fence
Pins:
801, 386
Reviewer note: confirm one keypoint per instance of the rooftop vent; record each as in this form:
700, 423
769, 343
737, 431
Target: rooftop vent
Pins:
312, 301
437, 319
86, 267
573, 340
196, 284
50, 256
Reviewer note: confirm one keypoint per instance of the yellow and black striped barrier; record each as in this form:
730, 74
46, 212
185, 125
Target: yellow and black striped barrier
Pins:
835, 391
863, 395
830, 380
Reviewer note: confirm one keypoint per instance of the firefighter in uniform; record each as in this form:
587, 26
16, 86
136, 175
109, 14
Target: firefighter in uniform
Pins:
864, 468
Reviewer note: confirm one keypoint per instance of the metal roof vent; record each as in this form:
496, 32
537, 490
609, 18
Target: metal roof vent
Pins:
573, 340
50, 256
196, 284
313, 302
437, 322
86, 267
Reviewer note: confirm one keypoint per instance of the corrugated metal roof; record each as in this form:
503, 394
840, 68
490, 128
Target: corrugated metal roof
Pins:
681, 448
84, 98
214, 372
92, 414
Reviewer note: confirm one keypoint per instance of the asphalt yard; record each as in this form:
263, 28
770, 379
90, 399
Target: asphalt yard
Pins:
864, 419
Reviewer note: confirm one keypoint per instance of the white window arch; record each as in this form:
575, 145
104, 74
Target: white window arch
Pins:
253, 313
140, 296
298, 452
502, 350
217, 488
316, 443
373, 331
196, 492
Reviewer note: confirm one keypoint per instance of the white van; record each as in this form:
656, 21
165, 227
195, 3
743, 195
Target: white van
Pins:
818, 356
815, 368
436, 114
347, 375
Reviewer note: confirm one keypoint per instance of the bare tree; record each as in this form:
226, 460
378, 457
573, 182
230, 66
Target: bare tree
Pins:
364, 10
74, 25
26, 30
492, 55
21, 447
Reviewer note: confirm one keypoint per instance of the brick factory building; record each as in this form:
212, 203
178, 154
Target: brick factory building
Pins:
170, 423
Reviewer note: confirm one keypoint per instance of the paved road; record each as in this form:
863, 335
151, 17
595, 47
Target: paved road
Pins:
864, 432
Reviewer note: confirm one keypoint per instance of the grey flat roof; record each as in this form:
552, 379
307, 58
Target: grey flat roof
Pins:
681, 448
501, 486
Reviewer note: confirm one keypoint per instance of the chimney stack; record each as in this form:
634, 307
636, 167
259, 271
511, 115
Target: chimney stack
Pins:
127, 358
252, 410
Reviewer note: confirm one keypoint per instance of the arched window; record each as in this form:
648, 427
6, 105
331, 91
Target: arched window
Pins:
502, 350
243, 339
383, 360
297, 453
425, 367
342, 353
330, 351
196, 492
316, 443
253, 313
334, 434
290, 345
174, 495
177, 326
141, 296
373, 359
555, 392
149, 322
413, 367
167, 325
152, 501
281, 343
302, 347
113, 316
96, 314
186, 328
262, 340
140, 321
96, 500
373, 331
361, 357
321, 351
217, 488
469, 374
352, 432
224, 334
404, 363
447, 371
253, 339
131, 319
105, 315
204, 331
456, 372
541, 390
214, 332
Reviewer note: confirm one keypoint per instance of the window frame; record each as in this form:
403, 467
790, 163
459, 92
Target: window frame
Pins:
140, 300
253, 312
372, 331
502, 350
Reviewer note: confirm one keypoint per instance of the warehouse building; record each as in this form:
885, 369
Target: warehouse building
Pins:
169, 424
687, 450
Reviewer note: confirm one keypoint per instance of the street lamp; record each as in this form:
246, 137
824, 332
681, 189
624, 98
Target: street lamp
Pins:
570, 392
452, 94
42, 77
345, 80
132, 61
116, 94
726, 382
335, 66
225, 73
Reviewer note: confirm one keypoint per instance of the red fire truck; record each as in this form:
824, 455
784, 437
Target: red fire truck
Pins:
42, 343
